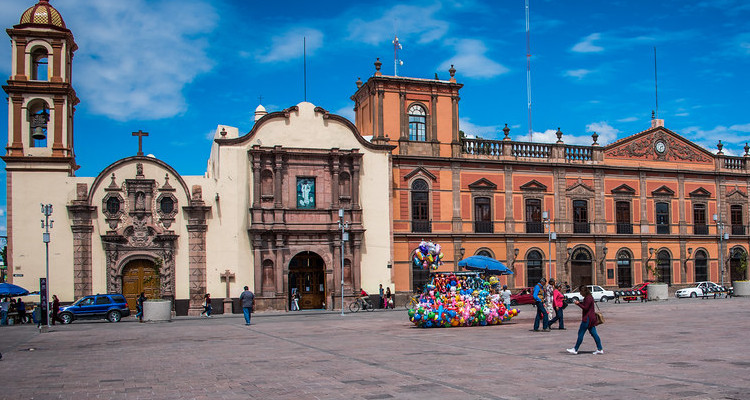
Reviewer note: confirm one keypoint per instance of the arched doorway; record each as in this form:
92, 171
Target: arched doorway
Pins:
140, 276
701, 266
624, 270
664, 266
735, 264
534, 269
580, 268
307, 276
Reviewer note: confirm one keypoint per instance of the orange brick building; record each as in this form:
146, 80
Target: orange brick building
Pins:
639, 209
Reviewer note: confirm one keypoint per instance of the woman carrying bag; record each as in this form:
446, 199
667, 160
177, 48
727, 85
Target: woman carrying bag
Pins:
588, 321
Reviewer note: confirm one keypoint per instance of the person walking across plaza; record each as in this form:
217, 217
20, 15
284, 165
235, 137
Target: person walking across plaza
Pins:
541, 312
55, 309
139, 306
247, 298
381, 293
207, 305
560, 304
588, 321
295, 299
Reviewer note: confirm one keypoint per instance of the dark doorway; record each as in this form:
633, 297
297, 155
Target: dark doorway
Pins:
307, 276
664, 266
735, 263
624, 270
580, 268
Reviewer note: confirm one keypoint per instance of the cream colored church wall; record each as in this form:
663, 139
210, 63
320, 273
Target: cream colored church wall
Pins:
307, 129
227, 241
29, 190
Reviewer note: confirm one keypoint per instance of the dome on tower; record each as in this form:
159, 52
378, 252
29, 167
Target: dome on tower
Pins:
43, 14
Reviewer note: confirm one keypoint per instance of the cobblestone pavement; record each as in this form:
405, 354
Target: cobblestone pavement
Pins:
675, 349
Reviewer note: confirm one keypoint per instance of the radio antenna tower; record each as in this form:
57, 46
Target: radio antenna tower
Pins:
396, 61
528, 67
656, 85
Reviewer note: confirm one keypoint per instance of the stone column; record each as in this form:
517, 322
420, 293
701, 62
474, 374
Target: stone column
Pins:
59, 115
196, 228
335, 171
82, 227
356, 165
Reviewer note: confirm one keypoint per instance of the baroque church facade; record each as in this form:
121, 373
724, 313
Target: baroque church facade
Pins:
269, 211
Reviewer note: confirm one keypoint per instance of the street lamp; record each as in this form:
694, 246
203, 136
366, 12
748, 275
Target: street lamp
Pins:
344, 237
46, 224
722, 236
550, 237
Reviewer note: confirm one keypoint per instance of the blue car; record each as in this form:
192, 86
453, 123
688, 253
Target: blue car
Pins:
111, 307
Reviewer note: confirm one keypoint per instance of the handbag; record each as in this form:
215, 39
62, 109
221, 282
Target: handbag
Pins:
599, 316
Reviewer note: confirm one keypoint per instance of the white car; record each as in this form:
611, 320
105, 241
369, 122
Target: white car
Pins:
705, 288
597, 292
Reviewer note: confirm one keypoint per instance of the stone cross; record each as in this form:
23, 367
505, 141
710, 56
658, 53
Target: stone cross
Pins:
140, 135
227, 276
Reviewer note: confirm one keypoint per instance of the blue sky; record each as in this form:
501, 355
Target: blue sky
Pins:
177, 68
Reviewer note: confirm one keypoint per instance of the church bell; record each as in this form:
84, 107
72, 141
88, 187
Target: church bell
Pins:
39, 123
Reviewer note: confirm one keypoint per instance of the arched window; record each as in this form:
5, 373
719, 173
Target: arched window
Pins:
664, 267
38, 119
266, 185
701, 266
533, 268
420, 206
417, 123
39, 64
624, 274
485, 253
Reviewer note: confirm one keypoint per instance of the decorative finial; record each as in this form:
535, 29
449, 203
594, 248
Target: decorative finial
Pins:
359, 82
595, 136
559, 135
453, 73
223, 132
653, 114
506, 131
378, 64
720, 146
747, 150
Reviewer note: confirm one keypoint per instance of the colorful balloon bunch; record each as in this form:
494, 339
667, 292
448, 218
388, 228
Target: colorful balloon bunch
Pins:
428, 255
447, 301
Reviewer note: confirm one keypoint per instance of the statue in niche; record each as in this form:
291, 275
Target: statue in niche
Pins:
138, 169
140, 201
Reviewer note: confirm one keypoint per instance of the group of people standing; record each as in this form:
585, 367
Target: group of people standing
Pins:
549, 300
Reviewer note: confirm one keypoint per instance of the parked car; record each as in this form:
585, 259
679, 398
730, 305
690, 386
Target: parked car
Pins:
705, 288
523, 296
111, 307
597, 292
643, 287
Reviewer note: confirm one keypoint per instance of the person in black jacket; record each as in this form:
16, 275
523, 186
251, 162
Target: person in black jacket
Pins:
588, 321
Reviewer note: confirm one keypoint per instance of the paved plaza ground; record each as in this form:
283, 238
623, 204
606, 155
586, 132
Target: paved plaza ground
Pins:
675, 349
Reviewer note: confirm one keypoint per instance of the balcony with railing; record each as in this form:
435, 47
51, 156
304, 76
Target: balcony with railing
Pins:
734, 163
624, 228
581, 227
482, 147
420, 225
531, 150
700, 229
662, 229
534, 227
738, 229
484, 227
579, 153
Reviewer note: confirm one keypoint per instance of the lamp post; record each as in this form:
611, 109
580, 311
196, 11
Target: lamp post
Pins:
550, 237
46, 224
344, 237
722, 236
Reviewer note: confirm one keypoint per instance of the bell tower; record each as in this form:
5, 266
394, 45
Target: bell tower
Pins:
41, 98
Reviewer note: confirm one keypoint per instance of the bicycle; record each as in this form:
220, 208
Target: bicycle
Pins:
361, 303
412, 302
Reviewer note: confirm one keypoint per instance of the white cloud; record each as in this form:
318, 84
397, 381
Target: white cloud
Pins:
587, 44
346, 112
577, 73
709, 138
628, 119
740, 128
289, 46
471, 60
607, 133
131, 62
472, 130
401, 19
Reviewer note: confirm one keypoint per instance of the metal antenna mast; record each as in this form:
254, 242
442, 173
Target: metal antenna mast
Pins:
656, 85
528, 66
304, 65
396, 61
